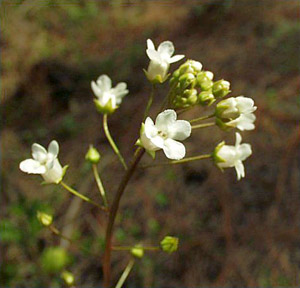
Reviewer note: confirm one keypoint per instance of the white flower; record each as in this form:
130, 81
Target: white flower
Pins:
44, 162
236, 112
107, 97
232, 156
164, 133
160, 60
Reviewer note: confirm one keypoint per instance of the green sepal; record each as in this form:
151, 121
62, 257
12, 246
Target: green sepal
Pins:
217, 159
158, 79
223, 125
107, 109
151, 153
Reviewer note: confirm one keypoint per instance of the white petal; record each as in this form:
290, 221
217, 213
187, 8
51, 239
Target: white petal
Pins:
53, 175
154, 55
147, 143
104, 83
97, 91
53, 148
228, 154
150, 129
119, 91
157, 141
166, 48
173, 149
150, 45
240, 170
39, 153
176, 58
32, 167
245, 122
238, 139
164, 119
180, 130
245, 105
244, 151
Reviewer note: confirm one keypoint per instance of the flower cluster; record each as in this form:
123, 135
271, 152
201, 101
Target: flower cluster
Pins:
189, 86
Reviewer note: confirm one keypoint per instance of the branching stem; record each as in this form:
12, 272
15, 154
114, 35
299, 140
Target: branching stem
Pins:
112, 217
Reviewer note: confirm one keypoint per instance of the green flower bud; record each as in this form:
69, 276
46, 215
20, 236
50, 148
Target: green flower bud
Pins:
204, 80
169, 244
137, 251
92, 155
68, 277
54, 259
186, 80
44, 218
206, 98
191, 96
190, 66
221, 88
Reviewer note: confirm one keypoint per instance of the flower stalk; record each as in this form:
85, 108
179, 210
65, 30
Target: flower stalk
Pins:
185, 160
125, 273
99, 184
150, 101
112, 143
84, 198
202, 118
204, 125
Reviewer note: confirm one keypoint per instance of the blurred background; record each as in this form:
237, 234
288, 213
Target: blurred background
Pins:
231, 233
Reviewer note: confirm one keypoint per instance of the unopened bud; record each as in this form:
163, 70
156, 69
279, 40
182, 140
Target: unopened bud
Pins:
206, 98
137, 251
204, 80
92, 155
186, 80
68, 277
169, 244
221, 88
190, 66
44, 218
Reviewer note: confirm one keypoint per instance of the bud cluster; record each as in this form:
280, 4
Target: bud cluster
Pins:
191, 86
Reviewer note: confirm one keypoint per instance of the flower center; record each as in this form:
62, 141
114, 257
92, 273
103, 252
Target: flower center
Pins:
162, 134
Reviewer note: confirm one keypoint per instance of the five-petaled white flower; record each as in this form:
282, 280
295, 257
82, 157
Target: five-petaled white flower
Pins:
226, 156
236, 112
160, 60
164, 133
108, 98
44, 162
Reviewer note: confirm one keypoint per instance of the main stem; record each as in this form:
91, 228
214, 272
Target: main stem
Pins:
111, 141
112, 217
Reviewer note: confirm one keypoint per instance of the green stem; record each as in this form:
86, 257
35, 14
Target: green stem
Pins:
203, 125
126, 248
202, 118
111, 141
125, 273
185, 160
58, 233
100, 185
84, 198
150, 101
